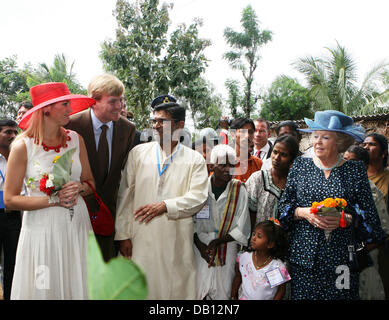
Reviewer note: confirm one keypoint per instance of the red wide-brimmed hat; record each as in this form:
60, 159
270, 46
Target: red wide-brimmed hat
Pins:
48, 93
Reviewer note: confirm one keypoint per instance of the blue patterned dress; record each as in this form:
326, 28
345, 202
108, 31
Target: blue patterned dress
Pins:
313, 260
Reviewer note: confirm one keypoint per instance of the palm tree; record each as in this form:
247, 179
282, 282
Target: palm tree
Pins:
332, 83
60, 71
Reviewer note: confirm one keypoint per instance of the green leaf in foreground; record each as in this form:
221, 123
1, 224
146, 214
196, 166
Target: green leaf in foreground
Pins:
119, 279
62, 169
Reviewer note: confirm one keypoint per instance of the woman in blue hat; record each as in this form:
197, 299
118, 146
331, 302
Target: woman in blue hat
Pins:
320, 265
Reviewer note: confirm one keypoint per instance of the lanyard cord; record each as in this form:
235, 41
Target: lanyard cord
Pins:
167, 164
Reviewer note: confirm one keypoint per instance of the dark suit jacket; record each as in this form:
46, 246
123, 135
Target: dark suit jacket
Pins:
269, 152
122, 143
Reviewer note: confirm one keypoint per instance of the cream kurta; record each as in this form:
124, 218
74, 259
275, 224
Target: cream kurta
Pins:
163, 248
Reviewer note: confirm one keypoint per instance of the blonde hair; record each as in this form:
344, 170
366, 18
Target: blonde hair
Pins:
343, 141
35, 128
105, 84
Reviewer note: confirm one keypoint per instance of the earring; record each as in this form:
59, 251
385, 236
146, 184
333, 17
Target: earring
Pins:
46, 113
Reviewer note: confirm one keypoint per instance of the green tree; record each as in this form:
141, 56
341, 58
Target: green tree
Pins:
60, 71
150, 64
332, 82
234, 100
13, 86
205, 105
186, 63
286, 99
211, 115
383, 100
245, 53
134, 56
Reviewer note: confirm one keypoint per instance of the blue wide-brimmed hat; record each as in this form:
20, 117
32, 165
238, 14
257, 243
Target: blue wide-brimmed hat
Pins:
331, 120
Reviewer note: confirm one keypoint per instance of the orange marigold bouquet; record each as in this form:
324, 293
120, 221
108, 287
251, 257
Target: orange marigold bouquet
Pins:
330, 207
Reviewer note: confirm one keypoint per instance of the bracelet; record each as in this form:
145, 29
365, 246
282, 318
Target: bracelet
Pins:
54, 199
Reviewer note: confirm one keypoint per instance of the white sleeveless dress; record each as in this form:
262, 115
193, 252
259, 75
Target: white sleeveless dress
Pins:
51, 259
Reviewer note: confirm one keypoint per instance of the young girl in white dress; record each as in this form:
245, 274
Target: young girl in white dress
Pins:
261, 274
51, 255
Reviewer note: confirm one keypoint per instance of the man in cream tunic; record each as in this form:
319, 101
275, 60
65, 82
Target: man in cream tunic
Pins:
163, 185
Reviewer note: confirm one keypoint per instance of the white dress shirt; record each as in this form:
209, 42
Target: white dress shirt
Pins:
263, 151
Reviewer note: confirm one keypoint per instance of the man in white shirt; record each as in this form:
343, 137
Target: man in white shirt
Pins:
262, 145
10, 221
164, 183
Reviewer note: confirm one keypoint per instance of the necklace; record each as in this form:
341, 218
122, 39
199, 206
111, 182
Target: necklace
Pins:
260, 266
330, 168
56, 148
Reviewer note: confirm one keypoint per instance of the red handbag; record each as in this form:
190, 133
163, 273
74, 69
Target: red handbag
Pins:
102, 220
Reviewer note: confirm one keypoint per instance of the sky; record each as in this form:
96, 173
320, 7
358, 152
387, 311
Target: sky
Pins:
36, 30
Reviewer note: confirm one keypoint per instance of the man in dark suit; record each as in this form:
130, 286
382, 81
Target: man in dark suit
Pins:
108, 138
262, 145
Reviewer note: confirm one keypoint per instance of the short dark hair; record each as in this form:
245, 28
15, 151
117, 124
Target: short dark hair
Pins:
26, 104
229, 121
240, 122
7, 123
293, 125
361, 153
263, 120
177, 112
383, 143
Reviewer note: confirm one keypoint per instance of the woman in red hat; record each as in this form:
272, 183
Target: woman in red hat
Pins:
51, 253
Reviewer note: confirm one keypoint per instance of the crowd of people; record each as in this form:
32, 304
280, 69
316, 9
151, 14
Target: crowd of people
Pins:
232, 216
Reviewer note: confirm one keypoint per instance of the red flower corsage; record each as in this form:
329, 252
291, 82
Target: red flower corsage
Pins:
42, 185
